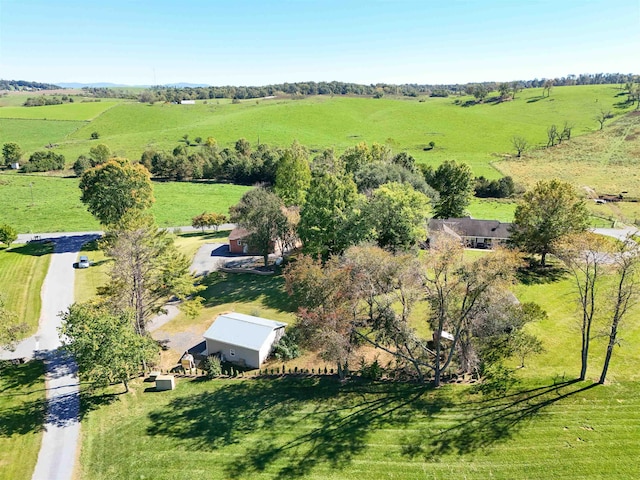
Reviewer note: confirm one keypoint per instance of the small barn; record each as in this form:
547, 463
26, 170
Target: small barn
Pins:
243, 339
239, 243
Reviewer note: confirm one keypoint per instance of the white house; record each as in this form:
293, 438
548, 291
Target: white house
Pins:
243, 339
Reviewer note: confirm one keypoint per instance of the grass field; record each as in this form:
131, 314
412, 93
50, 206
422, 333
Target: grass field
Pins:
606, 161
476, 135
77, 111
56, 205
318, 428
22, 271
22, 407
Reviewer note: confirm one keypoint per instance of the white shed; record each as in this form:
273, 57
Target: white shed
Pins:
243, 339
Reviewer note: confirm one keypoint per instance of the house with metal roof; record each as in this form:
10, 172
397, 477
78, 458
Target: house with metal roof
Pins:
243, 339
472, 233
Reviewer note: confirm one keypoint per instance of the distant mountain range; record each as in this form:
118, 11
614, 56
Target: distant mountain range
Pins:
113, 85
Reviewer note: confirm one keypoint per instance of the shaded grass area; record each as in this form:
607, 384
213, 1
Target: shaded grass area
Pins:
22, 408
319, 428
22, 272
87, 280
40, 203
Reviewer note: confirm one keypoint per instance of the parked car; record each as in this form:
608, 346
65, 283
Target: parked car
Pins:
83, 262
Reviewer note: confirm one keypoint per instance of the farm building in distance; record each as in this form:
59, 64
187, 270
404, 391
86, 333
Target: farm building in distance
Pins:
473, 233
243, 339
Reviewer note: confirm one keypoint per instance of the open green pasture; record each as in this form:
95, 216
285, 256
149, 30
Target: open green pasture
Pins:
33, 135
56, 207
78, 111
317, 428
22, 271
22, 408
477, 134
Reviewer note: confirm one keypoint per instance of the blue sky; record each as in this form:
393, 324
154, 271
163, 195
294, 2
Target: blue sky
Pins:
260, 42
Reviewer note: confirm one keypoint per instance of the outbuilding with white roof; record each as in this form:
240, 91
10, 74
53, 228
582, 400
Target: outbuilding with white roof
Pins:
243, 339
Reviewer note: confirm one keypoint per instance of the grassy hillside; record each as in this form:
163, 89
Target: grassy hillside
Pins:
606, 161
68, 111
56, 203
477, 134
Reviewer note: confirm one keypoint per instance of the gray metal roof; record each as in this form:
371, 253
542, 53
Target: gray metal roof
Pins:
471, 227
242, 330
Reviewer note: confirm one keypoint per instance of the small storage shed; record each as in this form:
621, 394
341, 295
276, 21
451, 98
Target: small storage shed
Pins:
243, 339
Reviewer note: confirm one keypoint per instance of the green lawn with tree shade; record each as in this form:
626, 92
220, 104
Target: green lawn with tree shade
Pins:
546, 427
22, 408
22, 272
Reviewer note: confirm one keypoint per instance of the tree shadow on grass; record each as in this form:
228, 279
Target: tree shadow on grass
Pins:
34, 249
243, 287
539, 275
24, 375
290, 426
17, 416
481, 424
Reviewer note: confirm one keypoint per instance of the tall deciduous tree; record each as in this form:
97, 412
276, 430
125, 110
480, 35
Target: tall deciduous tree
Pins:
104, 344
114, 188
398, 216
454, 183
456, 291
293, 175
147, 270
11, 153
261, 213
545, 214
331, 219
585, 256
625, 294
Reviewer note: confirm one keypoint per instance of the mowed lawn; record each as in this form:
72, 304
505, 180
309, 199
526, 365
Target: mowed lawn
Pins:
22, 271
317, 428
22, 407
56, 207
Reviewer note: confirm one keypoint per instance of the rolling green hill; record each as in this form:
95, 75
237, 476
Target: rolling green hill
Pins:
476, 134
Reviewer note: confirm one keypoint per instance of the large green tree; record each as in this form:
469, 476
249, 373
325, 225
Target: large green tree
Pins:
104, 344
454, 182
261, 213
398, 216
11, 152
147, 269
545, 214
113, 188
293, 175
331, 219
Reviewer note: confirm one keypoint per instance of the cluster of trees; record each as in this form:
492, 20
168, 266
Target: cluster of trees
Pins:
109, 337
43, 100
367, 296
501, 188
25, 85
42, 161
208, 220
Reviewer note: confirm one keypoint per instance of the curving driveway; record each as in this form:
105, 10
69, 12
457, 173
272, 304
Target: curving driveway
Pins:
60, 440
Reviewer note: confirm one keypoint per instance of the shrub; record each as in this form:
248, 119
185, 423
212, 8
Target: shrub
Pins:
81, 164
8, 234
212, 367
372, 371
287, 347
95, 135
